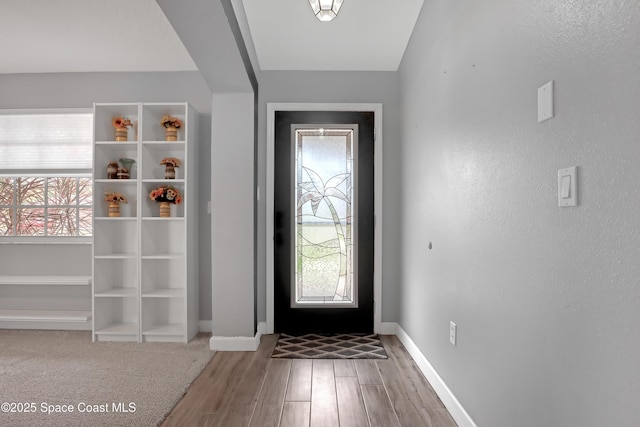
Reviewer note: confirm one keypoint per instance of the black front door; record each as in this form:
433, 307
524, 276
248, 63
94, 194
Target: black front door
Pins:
324, 222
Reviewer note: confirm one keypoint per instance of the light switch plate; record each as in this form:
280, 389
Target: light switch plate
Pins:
453, 333
567, 187
545, 102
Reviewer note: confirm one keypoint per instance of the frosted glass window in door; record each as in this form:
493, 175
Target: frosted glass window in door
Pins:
324, 229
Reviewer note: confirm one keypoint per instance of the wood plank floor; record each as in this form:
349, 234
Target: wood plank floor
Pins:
252, 389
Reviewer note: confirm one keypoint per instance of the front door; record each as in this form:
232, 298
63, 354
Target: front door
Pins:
324, 222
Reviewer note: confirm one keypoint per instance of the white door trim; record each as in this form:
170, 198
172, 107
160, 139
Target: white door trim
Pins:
377, 262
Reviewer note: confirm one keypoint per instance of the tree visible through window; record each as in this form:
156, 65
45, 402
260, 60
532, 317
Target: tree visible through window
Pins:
45, 206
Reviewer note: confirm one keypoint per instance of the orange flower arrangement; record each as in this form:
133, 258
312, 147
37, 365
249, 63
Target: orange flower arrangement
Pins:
170, 121
120, 122
170, 161
114, 197
166, 194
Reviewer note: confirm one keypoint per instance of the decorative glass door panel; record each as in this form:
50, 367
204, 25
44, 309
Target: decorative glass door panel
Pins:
324, 229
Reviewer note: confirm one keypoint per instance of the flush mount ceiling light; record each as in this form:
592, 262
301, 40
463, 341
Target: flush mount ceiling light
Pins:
325, 10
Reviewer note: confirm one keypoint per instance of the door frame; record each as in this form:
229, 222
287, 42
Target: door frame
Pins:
377, 261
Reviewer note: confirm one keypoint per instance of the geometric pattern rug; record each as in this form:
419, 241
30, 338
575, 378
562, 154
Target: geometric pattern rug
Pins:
329, 346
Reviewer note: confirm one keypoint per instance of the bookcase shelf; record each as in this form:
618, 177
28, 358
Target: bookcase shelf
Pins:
144, 266
118, 293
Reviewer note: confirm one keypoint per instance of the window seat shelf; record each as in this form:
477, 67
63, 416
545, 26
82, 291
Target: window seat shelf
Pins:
41, 280
45, 316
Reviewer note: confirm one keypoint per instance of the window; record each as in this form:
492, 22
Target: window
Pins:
45, 174
45, 206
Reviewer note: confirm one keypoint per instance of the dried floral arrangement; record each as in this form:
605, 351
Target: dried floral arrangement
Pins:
166, 193
170, 121
114, 197
120, 122
172, 161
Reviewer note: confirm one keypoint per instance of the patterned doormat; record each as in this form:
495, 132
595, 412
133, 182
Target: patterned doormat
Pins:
335, 346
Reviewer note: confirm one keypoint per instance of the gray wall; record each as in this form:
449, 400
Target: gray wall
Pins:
56, 259
336, 87
80, 90
232, 238
546, 299
44, 259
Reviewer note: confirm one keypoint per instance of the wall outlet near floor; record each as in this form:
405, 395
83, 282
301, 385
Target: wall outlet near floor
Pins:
452, 333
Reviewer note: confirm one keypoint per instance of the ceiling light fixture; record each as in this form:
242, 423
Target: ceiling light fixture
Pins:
325, 10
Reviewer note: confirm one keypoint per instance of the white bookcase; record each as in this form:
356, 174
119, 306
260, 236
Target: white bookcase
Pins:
145, 273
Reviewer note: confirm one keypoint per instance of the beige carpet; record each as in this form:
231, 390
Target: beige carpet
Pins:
49, 368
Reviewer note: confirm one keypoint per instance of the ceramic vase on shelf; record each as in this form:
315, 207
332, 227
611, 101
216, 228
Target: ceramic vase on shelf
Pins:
122, 134
169, 172
123, 173
114, 209
127, 164
112, 170
172, 133
165, 209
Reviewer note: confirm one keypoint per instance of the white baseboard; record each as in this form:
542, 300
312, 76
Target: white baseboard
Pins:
452, 404
238, 343
205, 326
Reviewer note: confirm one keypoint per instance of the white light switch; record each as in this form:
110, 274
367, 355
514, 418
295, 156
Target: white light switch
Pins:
545, 102
567, 187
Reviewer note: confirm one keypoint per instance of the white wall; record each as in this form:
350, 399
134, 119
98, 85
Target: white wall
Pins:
546, 299
232, 214
340, 87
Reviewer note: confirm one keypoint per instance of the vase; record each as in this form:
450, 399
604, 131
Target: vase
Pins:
123, 173
169, 172
127, 164
122, 134
112, 170
172, 133
114, 209
165, 209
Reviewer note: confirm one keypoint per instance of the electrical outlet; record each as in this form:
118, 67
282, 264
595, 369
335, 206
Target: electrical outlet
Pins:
452, 333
